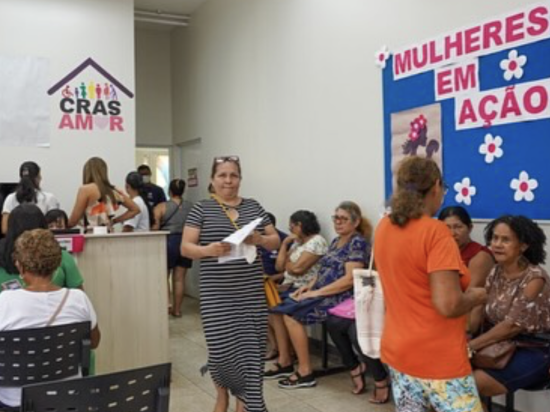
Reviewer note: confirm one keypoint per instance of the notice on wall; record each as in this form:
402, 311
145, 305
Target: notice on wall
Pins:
477, 100
24, 105
192, 177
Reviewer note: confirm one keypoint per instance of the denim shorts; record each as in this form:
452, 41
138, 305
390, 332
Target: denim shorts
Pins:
528, 367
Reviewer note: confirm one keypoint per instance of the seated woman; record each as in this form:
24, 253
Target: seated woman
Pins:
518, 304
476, 257
23, 218
57, 219
37, 255
333, 284
98, 200
298, 258
343, 332
28, 191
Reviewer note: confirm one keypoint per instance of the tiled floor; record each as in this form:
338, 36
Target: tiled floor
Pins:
193, 393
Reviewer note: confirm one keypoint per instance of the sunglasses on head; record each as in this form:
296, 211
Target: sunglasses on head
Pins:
223, 159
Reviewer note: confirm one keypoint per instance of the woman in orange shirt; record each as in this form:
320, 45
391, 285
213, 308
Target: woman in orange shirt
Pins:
424, 282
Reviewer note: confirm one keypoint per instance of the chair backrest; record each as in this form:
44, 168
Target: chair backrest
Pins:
138, 390
30, 356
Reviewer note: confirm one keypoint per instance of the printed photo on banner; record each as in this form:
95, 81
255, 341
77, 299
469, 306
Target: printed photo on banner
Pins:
416, 132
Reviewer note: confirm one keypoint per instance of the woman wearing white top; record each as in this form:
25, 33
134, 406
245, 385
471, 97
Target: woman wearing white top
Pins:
38, 255
28, 191
298, 257
136, 190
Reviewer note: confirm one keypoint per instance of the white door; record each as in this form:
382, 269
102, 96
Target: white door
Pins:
189, 168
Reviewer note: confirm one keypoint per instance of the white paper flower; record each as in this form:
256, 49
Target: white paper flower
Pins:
513, 65
381, 57
524, 187
491, 148
464, 191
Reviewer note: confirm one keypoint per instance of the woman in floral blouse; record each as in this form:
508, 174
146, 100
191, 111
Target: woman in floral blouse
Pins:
518, 305
333, 284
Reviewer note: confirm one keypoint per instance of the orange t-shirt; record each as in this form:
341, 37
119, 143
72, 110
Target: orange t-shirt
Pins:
417, 340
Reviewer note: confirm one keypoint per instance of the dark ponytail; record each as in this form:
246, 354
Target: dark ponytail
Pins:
135, 181
177, 187
415, 177
28, 185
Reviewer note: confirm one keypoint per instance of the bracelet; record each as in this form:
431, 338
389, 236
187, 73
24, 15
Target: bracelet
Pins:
471, 352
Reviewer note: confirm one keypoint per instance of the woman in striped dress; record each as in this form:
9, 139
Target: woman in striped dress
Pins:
232, 297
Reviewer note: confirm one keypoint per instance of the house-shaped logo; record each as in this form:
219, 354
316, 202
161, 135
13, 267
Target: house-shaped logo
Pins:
91, 100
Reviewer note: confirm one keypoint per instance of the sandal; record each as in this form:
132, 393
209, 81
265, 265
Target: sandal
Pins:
279, 372
307, 381
362, 387
377, 388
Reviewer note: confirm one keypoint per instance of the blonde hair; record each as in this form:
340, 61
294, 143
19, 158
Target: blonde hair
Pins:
415, 177
37, 252
95, 171
365, 227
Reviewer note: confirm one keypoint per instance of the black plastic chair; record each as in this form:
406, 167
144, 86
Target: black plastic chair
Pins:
30, 356
138, 390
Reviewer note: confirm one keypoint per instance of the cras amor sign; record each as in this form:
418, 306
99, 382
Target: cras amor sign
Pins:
91, 99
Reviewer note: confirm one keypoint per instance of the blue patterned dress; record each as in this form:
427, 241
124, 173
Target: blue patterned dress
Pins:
332, 268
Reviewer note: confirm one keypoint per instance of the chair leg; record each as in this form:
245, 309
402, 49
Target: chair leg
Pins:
324, 345
488, 401
510, 402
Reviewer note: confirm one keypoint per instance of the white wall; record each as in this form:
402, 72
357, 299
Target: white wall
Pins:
291, 87
153, 88
68, 32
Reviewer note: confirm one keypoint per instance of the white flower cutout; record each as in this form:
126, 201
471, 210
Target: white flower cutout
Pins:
513, 65
381, 57
491, 148
464, 191
524, 187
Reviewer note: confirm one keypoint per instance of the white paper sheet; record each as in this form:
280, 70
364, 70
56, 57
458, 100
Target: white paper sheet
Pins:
24, 104
240, 250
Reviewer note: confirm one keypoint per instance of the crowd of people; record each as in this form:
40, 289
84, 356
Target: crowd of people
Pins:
448, 299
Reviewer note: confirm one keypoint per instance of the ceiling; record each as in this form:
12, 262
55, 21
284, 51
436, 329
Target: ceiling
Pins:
169, 6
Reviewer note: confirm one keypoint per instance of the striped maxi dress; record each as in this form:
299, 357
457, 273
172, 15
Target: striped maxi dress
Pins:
233, 305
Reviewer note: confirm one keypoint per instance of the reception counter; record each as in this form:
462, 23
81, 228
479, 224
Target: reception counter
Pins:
125, 278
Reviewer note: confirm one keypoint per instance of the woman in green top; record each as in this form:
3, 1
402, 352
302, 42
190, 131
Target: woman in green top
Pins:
27, 217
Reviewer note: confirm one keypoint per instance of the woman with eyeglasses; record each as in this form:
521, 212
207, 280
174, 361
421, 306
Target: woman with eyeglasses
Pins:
332, 285
232, 295
477, 257
427, 298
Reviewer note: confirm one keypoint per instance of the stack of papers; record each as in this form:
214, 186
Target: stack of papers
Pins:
239, 249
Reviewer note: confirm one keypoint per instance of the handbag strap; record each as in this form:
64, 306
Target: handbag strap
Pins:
58, 310
178, 207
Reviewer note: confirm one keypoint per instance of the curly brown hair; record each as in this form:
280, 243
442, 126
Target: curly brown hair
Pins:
415, 177
37, 252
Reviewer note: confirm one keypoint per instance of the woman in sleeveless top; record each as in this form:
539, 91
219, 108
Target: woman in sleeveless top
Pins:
171, 216
98, 200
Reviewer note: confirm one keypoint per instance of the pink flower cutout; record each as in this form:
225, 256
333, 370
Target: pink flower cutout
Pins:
416, 126
464, 191
513, 65
524, 187
491, 148
381, 56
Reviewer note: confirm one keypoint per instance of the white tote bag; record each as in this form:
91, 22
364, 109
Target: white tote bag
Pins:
369, 309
